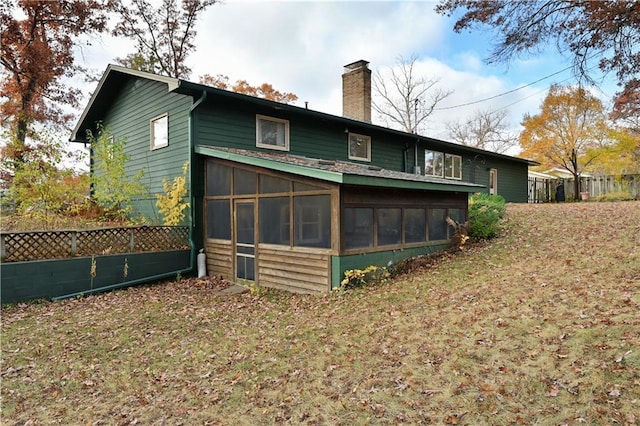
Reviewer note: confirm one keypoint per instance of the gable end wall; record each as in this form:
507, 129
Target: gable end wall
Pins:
129, 117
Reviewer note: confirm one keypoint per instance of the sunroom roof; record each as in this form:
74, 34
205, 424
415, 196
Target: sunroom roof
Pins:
341, 172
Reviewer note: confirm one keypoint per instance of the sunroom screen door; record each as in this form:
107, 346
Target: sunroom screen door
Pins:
245, 240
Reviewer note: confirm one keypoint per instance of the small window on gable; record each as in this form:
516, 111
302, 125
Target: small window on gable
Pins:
160, 131
272, 133
359, 147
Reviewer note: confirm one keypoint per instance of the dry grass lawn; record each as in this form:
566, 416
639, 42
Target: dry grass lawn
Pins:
540, 326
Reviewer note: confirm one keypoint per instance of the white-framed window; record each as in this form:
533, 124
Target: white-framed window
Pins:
433, 163
359, 147
160, 131
452, 166
493, 181
272, 133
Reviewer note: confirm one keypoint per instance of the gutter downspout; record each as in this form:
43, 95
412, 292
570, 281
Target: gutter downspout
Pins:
196, 104
416, 168
192, 251
405, 159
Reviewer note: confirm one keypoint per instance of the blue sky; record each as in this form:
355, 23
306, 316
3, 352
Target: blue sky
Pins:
302, 46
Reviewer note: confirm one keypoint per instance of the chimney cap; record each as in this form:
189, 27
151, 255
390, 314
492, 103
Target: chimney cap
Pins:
356, 65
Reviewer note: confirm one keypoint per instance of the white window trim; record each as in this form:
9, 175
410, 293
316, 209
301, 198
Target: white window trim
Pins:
259, 144
152, 131
493, 190
453, 168
353, 157
442, 165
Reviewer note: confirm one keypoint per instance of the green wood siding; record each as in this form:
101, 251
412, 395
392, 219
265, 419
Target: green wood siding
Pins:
234, 126
129, 117
512, 175
512, 179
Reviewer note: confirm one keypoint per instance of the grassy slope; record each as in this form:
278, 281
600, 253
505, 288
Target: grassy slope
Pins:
539, 327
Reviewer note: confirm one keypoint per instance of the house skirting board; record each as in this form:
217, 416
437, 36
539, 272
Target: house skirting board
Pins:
340, 264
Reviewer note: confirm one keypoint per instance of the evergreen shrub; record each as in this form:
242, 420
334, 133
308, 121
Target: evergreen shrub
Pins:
485, 213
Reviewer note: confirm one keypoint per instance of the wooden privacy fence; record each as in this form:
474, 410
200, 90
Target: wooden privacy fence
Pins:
543, 190
600, 185
42, 245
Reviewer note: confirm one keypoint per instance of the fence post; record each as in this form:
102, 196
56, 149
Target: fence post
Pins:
3, 249
132, 240
74, 243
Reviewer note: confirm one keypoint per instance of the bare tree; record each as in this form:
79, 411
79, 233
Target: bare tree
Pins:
405, 99
485, 130
165, 35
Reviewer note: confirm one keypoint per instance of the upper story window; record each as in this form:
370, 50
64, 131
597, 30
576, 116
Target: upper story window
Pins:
272, 133
433, 163
160, 131
359, 147
452, 166
439, 164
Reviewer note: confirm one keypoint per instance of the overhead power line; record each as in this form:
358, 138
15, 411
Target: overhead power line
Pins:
544, 90
504, 93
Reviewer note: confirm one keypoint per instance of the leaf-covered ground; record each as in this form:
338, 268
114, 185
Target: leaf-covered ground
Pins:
540, 326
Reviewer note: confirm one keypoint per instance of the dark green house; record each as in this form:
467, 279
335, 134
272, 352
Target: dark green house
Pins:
288, 197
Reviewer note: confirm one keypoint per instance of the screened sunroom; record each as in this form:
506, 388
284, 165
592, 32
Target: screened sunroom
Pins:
297, 224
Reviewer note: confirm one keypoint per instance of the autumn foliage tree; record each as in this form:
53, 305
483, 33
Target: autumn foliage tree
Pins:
165, 35
37, 41
620, 157
43, 188
265, 90
605, 34
112, 188
570, 125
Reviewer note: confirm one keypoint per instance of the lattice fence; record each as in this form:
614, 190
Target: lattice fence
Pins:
26, 246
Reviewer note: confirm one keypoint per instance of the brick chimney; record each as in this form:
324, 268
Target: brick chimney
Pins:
356, 91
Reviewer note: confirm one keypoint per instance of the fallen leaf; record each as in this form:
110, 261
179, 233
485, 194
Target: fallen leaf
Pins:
621, 357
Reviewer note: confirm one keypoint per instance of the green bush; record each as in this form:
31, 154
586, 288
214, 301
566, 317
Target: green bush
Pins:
485, 212
614, 196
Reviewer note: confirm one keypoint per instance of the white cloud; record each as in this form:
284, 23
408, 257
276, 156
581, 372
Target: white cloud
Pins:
301, 47
469, 61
